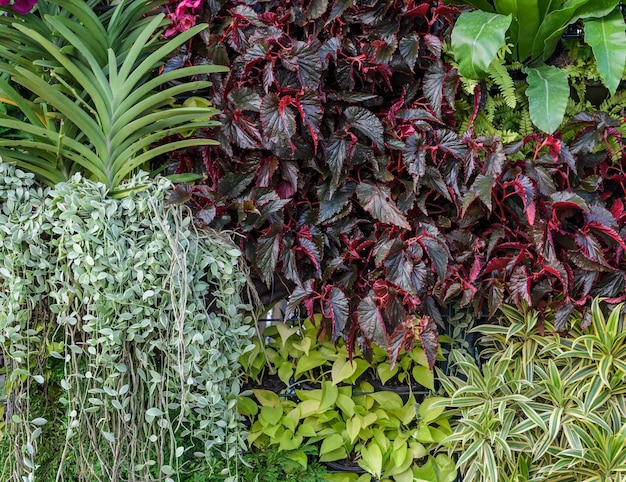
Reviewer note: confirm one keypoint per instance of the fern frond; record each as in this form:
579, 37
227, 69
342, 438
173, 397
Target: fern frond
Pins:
468, 85
525, 124
614, 104
501, 77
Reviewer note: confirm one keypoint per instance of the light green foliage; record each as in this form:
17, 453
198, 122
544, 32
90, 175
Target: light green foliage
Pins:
296, 355
335, 409
145, 315
542, 407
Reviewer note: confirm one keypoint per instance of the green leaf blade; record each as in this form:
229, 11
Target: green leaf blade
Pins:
476, 39
548, 93
607, 38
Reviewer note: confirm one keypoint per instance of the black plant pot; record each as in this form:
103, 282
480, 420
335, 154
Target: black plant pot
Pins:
344, 466
405, 391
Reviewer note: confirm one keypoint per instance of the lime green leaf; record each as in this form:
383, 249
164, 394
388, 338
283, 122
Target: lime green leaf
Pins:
388, 400
299, 457
285, 331
342, 369
428, 412
345, 404
331, 443
309, 407
266, 398
270, 416
353, 427
247, 407
372, 459
308, 362
424, 376
329, 396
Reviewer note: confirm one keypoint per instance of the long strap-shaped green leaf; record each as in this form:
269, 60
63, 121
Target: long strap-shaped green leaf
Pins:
127, 112
130, 73
92, 80
64, 105
554, 24
157, 151
524, 26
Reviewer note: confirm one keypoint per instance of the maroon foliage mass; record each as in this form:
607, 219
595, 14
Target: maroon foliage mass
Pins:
340, 168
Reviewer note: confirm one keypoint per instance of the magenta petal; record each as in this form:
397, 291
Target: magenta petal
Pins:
5, 2
23, 6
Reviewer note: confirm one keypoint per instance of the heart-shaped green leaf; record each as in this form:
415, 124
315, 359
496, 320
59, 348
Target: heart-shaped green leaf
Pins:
548, 92
476, 39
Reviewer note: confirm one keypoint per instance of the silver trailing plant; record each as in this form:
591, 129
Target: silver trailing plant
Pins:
143, 312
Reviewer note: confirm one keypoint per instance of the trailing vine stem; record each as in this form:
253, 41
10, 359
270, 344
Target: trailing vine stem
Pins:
143, 312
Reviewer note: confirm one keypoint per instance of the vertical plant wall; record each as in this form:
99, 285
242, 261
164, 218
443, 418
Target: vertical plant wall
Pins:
126, 319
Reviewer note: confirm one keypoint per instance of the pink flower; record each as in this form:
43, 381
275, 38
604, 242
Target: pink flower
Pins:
180, 23
20, 6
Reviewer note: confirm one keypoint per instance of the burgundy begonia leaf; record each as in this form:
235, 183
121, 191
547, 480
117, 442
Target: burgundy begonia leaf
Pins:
206, 215
410, 48
367, 123
269, 165
449, 142
290, 265
309, 65
279, 120
495, 297
297, 297
311, 111
267, 255
245, 132
564, 199
338, 151
419, 278
257, 52
481, 189
436, 248
562, 315
590, 248
316, 9
434, 180
520, 285
312, 252
180, 195
333, 204
371, 321
606, 230
338, 309
400, 270
429, 338
270, 203
376, 200
245, 98
414, 157
339, 6
433, 86
434, 44
396, 343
